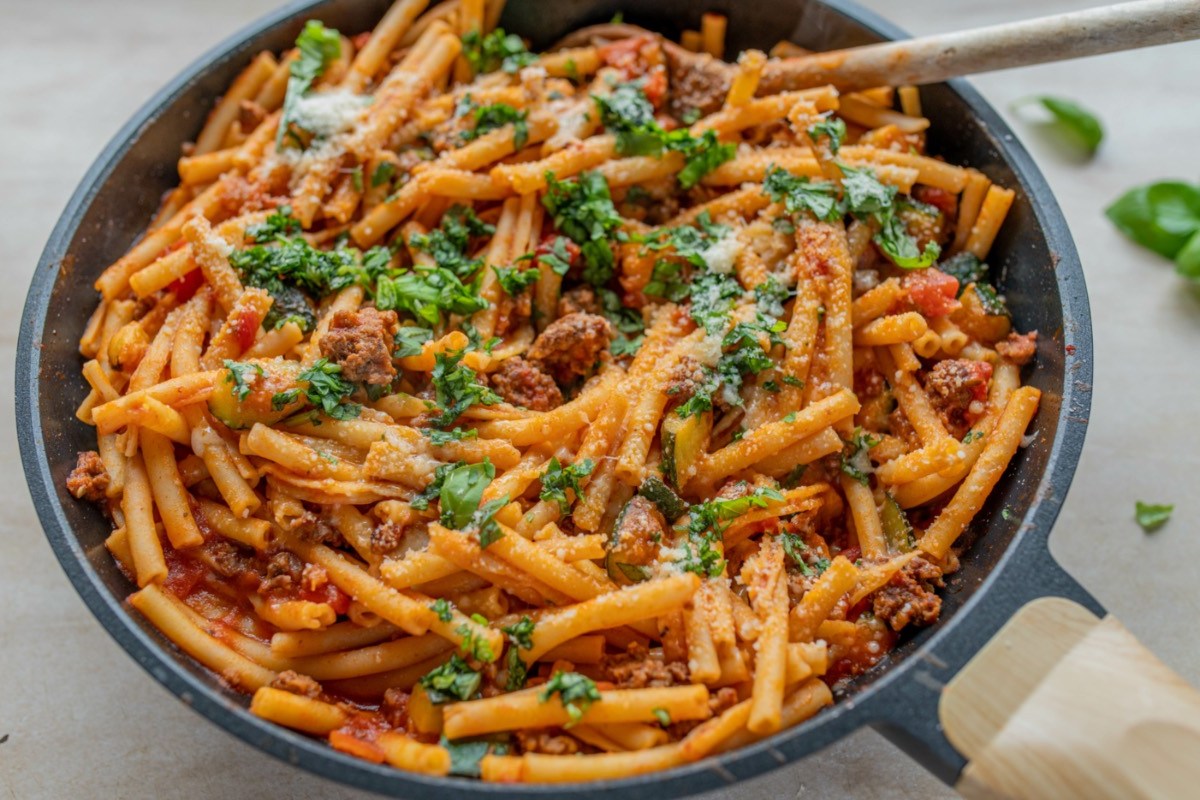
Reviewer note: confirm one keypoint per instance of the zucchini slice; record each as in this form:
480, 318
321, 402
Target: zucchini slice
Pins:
897, 530
278, 375
658, 492
684, 441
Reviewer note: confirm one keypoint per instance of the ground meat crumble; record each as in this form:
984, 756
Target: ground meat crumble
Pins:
571, 346
521, 383
909, 597
89, 480
361, 342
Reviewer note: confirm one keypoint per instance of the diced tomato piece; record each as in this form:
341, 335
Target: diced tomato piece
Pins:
932, 291
623, 55
338, 600
655, 86
940, 199
186, 286
983, 372
184, 574
246, 327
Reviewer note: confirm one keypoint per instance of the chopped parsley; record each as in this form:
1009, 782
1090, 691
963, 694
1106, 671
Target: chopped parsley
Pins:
410, 341
576, 693
472, 645
557, 479
627, 113
489, 529
326, 391
279, 224
514, 280
583, 210
520, 635
454, 680
442, 608
236, 375
427, 293
1152, 516
318, 46
456, 389
801, 194
832, 128
667, 281
708, 521
439, 438
497, 50
662, 715
497, 115
382, 174
449, 242
856, 460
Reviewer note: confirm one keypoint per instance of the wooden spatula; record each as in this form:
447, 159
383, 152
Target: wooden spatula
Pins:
1061, 704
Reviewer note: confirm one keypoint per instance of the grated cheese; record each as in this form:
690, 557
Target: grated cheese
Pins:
327, 114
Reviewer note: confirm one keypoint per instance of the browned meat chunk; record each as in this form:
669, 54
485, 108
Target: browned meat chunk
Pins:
395, 708
523, 384
313, 528
548, 742
638, 533
250, 114
284, 571
227, 559
361, 342
687, 376
572, 346
637, 669
958, 390
697, 81
581, 299
89, 480
386, 537
1018, 348
908, 597
296, 683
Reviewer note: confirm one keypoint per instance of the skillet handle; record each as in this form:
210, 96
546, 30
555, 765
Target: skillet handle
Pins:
1061, 704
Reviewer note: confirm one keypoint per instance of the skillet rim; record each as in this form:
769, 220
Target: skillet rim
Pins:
867, 707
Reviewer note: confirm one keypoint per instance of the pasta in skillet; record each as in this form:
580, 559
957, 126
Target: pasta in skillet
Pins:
549, 417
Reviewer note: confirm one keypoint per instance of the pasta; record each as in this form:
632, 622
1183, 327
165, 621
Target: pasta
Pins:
460, 391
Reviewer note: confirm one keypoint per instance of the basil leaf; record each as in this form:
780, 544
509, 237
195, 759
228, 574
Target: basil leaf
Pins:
1077, 122
1162, 216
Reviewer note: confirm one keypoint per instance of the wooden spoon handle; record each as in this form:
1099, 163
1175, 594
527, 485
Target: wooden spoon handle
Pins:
931, 59
1061, 704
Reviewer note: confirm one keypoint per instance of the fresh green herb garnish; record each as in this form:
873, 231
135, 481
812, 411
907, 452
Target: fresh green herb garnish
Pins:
832, 128
409, 341
856, 461
236, 375
454, 680
713, 296
456, 389
327, 390
627, 113
449, 242
438, 438
466, 754
382, 174
1152, 516
1164, 217
461, 491
708, 521
557, 479
441, 607
318, 46
583, 210
497, 50
662, 715
576, 692
472, 645
497, 115
1080, 126
514, 280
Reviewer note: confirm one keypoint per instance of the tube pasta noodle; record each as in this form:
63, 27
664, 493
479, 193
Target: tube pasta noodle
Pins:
494, 415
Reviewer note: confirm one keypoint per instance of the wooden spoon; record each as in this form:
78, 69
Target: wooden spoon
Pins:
931, 59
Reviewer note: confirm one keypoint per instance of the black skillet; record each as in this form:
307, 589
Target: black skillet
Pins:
1007, 565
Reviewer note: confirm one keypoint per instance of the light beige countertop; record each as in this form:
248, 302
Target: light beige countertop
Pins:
79, 719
